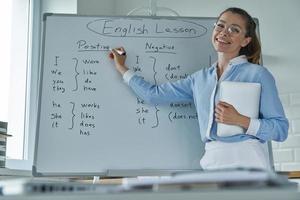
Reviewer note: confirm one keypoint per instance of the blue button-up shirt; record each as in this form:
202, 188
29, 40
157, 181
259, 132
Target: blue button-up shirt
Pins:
202, 88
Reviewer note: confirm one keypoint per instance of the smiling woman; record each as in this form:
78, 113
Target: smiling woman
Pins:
235, 41
229, 36
237, 30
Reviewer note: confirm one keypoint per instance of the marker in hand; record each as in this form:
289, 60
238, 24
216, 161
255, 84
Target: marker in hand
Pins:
120, 52
119, 60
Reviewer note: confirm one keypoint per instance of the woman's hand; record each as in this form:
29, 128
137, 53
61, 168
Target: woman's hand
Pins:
119, 59
227, 114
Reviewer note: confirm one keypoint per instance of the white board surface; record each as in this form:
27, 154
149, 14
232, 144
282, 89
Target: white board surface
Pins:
90, 122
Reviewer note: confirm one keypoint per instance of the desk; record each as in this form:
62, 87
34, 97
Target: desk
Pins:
203, 194
5, 172
262, 194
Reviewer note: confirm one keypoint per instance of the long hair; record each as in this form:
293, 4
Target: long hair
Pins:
253, 49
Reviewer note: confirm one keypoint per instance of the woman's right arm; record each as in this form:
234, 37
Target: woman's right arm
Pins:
178, 91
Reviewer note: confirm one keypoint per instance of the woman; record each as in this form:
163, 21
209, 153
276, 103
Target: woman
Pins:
234, 38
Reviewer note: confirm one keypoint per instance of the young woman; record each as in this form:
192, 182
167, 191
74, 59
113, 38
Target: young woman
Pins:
234, 38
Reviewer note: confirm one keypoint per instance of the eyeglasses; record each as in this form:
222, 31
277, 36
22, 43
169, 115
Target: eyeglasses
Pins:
232, 29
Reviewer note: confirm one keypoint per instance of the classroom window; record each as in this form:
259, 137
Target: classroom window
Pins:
20, 52
14, 40
5, 21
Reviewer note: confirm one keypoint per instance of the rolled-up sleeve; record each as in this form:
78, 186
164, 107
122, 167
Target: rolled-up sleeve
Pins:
253, 127
127, 76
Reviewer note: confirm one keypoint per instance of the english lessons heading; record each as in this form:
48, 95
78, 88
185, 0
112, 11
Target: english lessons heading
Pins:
161, 28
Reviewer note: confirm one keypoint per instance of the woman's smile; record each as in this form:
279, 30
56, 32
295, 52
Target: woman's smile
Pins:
222, 40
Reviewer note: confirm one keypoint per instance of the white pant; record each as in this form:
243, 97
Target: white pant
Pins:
246, 154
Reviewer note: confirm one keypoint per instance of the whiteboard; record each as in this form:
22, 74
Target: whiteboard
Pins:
90, 122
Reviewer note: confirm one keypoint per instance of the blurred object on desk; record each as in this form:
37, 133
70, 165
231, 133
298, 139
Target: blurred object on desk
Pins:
213, 179
38, 186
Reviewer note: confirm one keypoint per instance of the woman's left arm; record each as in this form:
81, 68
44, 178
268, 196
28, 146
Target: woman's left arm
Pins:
273, 124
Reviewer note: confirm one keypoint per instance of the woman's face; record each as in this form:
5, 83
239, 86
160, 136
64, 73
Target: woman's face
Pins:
229, 34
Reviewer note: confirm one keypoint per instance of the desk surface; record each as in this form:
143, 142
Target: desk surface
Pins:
212, 194
270, 194
14, 172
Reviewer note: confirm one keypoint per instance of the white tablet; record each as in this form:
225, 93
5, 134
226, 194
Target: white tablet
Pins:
245, 97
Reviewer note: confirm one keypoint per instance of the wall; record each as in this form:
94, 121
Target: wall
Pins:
58, 6
279, 33
96, 7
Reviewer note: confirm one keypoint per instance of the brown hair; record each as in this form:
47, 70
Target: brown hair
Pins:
253, 49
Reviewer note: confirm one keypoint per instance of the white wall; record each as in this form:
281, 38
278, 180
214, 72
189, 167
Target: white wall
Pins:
279, 32
96, 7
59, 6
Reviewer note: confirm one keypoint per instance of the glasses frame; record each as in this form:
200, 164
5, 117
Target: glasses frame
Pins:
228, 29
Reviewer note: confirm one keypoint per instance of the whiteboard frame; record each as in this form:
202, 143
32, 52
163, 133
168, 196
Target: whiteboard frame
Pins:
108, 172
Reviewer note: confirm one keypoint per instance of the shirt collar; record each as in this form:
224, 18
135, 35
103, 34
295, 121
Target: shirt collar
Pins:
238, 60
235, 61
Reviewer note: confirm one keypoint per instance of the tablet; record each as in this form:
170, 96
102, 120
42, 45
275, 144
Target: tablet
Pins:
245, 97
